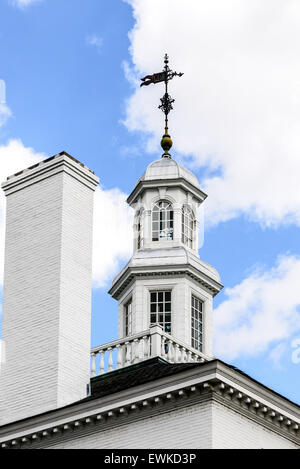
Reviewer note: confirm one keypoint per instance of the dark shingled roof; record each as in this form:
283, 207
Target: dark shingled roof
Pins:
150, 370
134, 375
137, 374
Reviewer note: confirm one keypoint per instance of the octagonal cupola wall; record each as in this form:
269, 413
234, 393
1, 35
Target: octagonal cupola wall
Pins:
165, 282
166, 200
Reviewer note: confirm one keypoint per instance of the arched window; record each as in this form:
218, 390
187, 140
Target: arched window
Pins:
162, 221
188, 224
139, 229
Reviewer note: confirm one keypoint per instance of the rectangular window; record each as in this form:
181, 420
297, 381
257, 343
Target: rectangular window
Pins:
128, 318
160, 309
197, 321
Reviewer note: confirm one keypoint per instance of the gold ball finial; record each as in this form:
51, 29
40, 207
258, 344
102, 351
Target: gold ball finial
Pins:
166, 144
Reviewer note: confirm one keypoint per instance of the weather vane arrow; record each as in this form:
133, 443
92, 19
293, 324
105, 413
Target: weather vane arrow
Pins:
166, 101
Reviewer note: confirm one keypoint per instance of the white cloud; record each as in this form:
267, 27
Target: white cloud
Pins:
113, 239
5, 113
24, 3
262, 311
237, 107
96, 41
112, 216
13, 158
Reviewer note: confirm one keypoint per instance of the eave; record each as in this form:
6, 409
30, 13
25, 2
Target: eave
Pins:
199, 195
131, 273
187, 385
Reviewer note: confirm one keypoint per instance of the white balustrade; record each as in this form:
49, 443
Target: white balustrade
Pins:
139, 347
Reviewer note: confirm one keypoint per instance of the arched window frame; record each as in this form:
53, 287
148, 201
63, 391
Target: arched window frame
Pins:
139, 228
188, 223
162, 221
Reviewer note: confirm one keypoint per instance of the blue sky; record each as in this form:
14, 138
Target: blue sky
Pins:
71, 69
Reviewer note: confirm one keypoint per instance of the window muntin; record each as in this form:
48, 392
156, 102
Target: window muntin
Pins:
128, 318
197, 323
160, 309
162, 221
188, 223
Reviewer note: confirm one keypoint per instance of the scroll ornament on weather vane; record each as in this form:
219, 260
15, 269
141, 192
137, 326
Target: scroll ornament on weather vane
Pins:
166, 101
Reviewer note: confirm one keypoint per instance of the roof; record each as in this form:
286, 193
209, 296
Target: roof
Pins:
176, 260
155, 381
154, 369
167, 172
167, 168
134, 375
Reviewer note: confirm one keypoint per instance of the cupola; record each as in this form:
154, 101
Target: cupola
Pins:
165, 282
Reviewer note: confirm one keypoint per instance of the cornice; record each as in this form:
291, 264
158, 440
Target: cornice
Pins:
190, 391
131, 273
155, 183
62, 162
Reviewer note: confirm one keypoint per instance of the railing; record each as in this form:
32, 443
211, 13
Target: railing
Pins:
139, 347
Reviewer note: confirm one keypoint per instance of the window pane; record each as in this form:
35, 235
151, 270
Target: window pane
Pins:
162, 213
168, 296
196, 324
159, 304
153, 297
128, 318
153, 318
188, 223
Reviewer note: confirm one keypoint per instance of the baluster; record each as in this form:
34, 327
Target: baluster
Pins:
141, 349
110, 359
101, 370
189, 356
127, 353
149, 346
170, 351
182, 354
119, 356
123, 354
135, 349
177, 354
163, 346
145, 347
93, 369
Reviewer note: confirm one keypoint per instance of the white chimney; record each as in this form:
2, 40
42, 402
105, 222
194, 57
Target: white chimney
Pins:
47, 287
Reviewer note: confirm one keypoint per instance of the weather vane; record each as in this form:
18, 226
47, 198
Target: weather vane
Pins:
166, 101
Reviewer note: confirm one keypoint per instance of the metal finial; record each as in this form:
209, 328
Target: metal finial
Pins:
166, 101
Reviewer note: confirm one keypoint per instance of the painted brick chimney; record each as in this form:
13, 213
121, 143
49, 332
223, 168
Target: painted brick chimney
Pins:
47, 287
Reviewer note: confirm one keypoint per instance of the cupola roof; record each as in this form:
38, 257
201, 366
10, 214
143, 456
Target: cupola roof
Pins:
167, 172
166, 168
